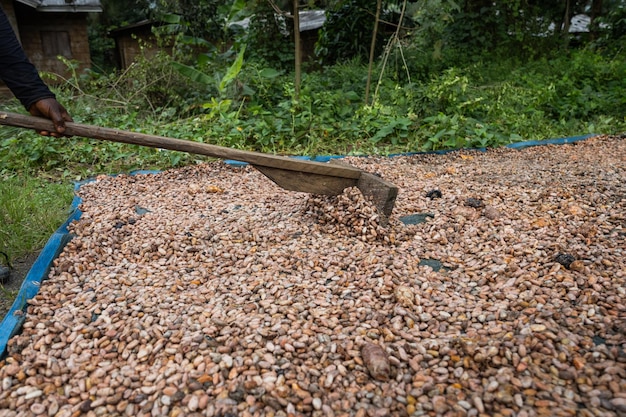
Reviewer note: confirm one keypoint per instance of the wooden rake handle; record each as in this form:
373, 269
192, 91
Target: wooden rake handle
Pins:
289, 173
116, 135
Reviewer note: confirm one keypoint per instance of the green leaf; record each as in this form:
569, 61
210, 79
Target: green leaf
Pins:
194, 40
192, 73
269, 73
233, 71
388, 130
247, 91
171, 18
238, 7
351, 95
203, 59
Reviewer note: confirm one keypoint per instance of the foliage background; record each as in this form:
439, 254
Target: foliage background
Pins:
445, 75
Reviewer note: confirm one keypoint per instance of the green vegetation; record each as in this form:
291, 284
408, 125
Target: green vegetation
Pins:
248, 106
31, 209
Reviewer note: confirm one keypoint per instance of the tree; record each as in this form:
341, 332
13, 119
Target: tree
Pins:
596, 11
483, 26
297, 48
372, 52
348, 30
202, 19
118, 13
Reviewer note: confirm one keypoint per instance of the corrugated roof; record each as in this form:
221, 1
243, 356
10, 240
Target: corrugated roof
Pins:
309, 20
64, 5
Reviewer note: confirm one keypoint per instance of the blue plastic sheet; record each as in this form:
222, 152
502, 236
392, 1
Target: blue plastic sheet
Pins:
13, 320
12, 323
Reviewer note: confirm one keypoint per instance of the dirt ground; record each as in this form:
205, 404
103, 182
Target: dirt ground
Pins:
9, 290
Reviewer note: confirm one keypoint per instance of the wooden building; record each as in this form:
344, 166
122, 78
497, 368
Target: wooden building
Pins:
136, 39
49, 28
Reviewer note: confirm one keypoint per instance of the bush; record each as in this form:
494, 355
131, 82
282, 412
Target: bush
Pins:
488, 103
347, 32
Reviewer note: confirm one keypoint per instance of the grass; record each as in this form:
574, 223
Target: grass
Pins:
7, 296
31, 209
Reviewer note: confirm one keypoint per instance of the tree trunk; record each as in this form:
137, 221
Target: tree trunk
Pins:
298, 49
596, 11
372, 49
567, 18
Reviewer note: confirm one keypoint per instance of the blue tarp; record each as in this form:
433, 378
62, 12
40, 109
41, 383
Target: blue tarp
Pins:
14, 319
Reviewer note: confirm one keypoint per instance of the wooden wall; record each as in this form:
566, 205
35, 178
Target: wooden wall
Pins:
46, 35
7, 6
130, 43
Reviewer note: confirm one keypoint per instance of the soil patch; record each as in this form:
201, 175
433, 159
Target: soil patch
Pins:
19, 270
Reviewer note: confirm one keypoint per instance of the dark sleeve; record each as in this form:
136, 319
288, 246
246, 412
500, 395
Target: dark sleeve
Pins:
17, 72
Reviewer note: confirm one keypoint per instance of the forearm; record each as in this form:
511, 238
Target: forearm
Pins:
17, 72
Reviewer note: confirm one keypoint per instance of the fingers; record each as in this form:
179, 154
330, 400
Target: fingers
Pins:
59, 121
53, 110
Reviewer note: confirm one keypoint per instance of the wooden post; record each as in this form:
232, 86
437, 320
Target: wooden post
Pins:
372, 48
298, 49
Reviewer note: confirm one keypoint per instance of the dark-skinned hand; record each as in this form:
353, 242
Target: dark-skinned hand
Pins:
53, 110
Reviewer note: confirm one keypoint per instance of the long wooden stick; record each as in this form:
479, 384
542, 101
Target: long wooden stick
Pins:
290, 173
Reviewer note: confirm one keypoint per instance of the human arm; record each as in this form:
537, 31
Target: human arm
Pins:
22, 78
